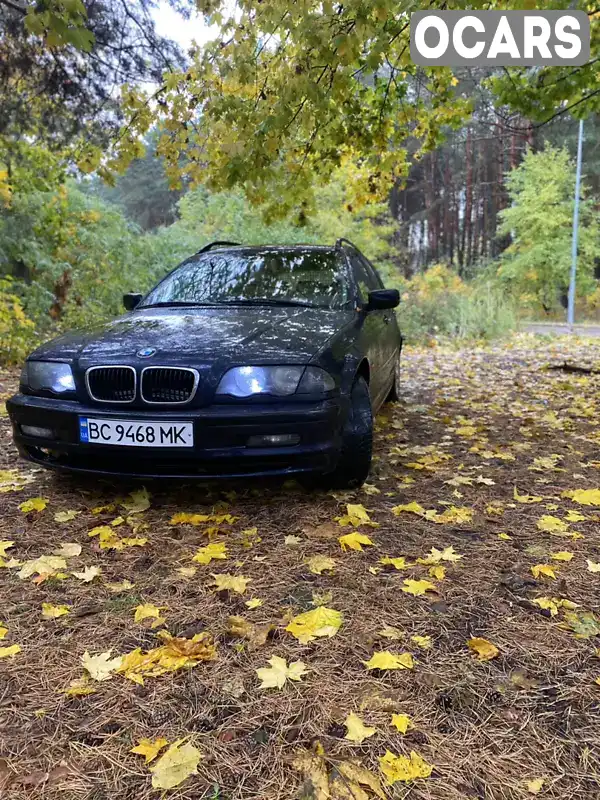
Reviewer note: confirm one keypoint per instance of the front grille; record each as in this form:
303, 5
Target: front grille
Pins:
111, 384
168, 384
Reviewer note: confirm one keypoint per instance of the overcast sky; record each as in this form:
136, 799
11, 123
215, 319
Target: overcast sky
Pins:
170, 24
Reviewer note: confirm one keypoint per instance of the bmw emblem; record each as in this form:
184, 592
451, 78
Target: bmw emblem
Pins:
146, 352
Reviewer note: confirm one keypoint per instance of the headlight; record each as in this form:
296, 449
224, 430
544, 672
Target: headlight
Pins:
278, 381
47, 376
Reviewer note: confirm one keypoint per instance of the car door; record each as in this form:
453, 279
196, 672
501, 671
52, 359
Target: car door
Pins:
391, 332
373, 337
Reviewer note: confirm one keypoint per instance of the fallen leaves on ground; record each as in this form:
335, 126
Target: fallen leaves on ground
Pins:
547, 570
149, 748
102, 666
68, 550
402, 722
354, 541
50, 611
175, 654
212, 551
276, 675
10, 650
592, 566
33, 504
44, 566
318, 564
418, 587
175, 765
233, 583
482, 649
356, 515
400, 768
88, 574
356, 730
66, 516
386, 660
256, 634
322, 621
148, 611
345, 780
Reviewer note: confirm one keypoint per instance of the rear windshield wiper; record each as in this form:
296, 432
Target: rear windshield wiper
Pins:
257, 301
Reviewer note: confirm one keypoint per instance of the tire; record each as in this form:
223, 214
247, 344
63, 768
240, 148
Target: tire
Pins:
394, 393
357, 442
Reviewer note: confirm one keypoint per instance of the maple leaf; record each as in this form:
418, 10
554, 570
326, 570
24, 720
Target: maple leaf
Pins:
275, 676
460, 480
3, 631
233, 583
421, 641
389, 632
356, 515
534, 786
438, 572
79, 687
88, 574
101, 667
526, 498
137, 501
562, 555
483, 649
175, 765
543, 569
10, 651
454, 515
583, 625
68, 550
593, 566
34, 504
574, 516
553, 604
50, 611
291, 540
401, 768
409, 508
149, 748
256, 634
43, 566
321, 621
121, 586
147, 611
353, 541
353, 778
4, 546
318, 564
585, 497
550, 524
418, 587
357, 731
368, 488
397, 563
213, 550
505, 537
66, 516
254, 602
383, 659
402, 722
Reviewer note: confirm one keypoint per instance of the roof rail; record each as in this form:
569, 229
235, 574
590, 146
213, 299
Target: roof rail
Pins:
341, 242
210, 246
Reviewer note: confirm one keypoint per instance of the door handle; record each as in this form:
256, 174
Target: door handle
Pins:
387, 318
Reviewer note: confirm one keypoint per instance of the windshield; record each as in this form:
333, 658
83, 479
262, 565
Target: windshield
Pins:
296, 276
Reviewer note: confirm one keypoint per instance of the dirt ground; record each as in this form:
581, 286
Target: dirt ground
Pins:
473, 426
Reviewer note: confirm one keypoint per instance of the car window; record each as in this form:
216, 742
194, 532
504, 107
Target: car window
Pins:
315, 277
366, 278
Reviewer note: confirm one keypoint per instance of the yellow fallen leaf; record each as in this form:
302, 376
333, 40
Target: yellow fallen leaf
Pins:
353, 541
275, 676
422, 641
100, 667
137, 501
88, 574
175, 765
68, 550
66, 516
526, 498
233, 583
550, 524
535, 785
256, 634
397, 563
11, 650
368, 488
314, 772
389, 632
34, 504
352, 777
418, 587
435, 556
318, 564
574, 516
593, 566
149, 748
402, 722
3, 632
562, 555
213, 550
43, 566
454, 515
321, 621
401, 768
356, 730
292, 540
121, 586
187, 572
505, 537
438, 572
409, 508
483, 649
585, 497
50, 611
543, 569
147, 611
356, 515
79, 687
4, 546
383, 659
553, 604
253, 603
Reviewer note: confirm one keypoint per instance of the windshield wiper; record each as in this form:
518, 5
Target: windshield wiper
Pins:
175, 304
257, 301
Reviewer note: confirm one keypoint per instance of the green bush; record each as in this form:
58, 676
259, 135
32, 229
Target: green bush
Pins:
16, 329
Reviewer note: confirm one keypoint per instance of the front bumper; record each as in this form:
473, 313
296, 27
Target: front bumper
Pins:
220, 436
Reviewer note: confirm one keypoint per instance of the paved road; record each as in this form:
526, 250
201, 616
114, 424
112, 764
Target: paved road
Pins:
561, 328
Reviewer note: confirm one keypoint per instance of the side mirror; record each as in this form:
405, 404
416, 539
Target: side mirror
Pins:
131, 300
382, 298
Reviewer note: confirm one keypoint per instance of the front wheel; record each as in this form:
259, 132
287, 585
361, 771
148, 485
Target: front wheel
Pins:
357, 441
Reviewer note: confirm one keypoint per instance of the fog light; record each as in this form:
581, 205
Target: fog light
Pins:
273, 440
33, 430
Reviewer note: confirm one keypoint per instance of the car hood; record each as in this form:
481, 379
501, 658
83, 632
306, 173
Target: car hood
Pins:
204, 335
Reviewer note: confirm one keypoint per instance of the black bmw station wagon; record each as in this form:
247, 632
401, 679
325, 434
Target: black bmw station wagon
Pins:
244, 360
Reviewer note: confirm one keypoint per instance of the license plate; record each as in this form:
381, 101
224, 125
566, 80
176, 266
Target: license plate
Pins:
135, 434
